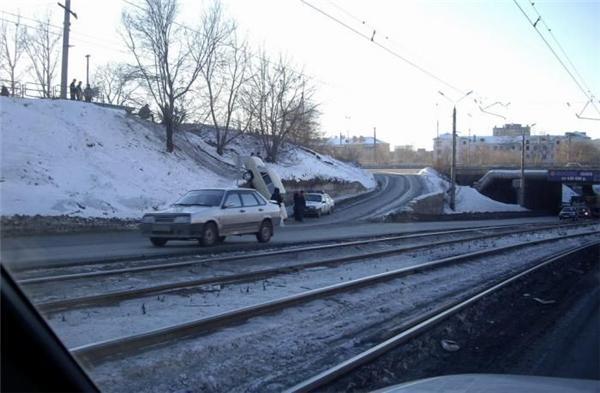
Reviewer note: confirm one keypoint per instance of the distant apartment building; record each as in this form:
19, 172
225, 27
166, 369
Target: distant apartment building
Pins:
364, 150
512, 130
504, 148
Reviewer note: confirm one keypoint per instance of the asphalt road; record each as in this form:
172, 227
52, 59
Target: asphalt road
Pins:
348, 221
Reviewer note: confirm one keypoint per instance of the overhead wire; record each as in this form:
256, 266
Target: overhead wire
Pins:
543, 20
589, 96
385, 48
95, 41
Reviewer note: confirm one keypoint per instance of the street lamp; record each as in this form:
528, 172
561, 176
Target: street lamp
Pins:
453, 165
87, 70
522, 193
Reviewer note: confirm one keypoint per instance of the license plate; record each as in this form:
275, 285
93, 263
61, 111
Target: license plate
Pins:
161, 228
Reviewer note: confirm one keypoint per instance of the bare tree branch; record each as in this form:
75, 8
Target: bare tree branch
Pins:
12, 47
43, 51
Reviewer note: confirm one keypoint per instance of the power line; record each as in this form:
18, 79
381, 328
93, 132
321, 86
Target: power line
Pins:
533, 24
30, 26
560, 47
97, 42
385, 48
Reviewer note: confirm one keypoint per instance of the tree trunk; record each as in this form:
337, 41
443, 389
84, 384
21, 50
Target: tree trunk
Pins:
169, 127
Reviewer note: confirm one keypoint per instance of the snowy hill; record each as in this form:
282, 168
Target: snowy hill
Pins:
468, 199
66, 157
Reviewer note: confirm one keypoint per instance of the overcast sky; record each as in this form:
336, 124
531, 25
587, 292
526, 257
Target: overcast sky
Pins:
485, 46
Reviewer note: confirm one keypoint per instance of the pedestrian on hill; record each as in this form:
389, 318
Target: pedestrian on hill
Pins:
73, 90
4, 92
144, 112
88, 93
79, 92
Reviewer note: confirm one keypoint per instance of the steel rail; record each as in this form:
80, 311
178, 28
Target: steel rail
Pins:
293, 250
424, 323
95, 352
116, 296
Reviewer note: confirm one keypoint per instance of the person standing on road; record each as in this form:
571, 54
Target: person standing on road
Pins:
276, 196
296, 206
4, 92
301, 205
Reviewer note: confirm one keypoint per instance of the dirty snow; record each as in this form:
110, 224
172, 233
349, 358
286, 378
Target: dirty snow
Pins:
468, 199
72, 158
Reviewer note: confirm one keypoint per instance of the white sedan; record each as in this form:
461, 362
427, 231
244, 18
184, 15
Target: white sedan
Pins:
318, 204
212, 214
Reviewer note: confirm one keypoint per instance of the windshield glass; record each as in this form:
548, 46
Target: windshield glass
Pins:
247, 194
201, 198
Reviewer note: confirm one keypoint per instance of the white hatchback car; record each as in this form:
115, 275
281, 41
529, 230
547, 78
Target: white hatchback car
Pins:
318, 203
212, 214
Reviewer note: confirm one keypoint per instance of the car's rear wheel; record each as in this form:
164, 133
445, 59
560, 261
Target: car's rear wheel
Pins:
210, 234
158, 242
265, 232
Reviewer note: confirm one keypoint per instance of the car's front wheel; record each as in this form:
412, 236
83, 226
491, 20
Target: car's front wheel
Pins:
158, 242
265, 232
210, 234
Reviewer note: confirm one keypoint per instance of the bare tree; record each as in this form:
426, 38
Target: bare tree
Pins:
12, 47
119, 83
279, 102
168, 57
224, 74
43, 51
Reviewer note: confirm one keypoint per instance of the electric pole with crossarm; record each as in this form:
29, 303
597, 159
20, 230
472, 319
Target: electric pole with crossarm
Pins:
65, 52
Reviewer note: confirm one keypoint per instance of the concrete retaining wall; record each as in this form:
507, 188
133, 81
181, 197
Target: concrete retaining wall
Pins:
428, 204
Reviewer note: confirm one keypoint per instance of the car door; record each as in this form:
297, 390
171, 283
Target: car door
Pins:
254, 211
233, 214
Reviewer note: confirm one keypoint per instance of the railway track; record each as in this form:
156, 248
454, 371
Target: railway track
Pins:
426, 322
25, 279
96, 352
112, 297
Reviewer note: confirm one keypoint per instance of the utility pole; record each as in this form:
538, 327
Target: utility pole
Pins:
87, 70
522, 193
375, 145
65, 51
453, 165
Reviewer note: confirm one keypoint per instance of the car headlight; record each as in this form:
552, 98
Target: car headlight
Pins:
148, 219
182, 220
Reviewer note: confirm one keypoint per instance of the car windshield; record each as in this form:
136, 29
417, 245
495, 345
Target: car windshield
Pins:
201, 198
259, 195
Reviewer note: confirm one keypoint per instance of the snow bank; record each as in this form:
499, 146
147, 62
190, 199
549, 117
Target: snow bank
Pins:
468, 199
64, 157
73, 158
